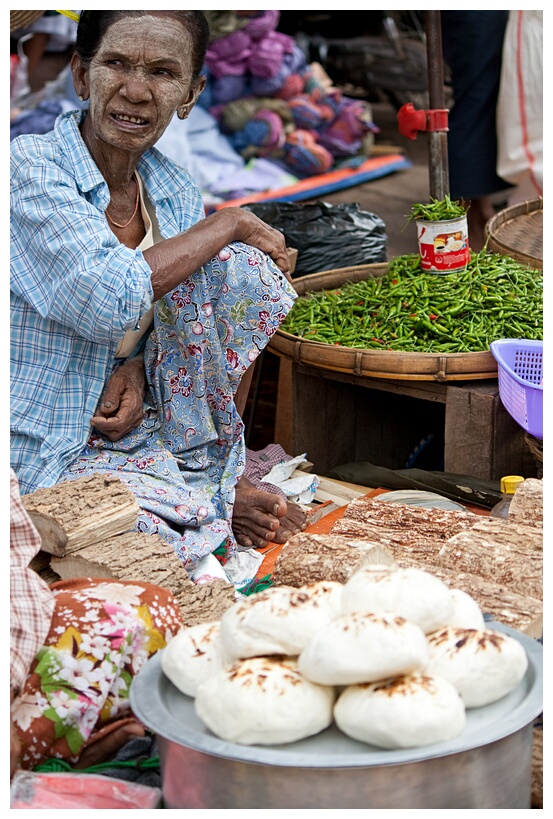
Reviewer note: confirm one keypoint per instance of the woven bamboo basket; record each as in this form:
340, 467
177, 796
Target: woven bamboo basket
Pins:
376, 363
518, 232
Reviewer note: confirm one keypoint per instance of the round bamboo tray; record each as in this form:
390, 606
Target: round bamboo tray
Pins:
518, 232
376, 363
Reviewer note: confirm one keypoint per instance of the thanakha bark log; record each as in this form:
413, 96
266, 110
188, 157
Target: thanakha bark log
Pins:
74, 514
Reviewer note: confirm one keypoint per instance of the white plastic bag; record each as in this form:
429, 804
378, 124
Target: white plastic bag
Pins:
520, 105
19, 73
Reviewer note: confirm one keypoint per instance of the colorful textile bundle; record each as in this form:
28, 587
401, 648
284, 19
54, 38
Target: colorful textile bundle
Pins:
305, 156
314, 123
263, 135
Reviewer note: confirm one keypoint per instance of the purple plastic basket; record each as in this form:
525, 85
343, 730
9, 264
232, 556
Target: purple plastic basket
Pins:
520, 377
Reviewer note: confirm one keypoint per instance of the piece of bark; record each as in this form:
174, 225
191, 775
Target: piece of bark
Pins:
74, 514
504, 604
308, 558
40, 562
526, 505
500, 551
130, 556
396, 525
206, 602
148, 558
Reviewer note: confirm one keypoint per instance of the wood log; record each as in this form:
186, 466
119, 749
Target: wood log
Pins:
130, 556
148, 558
74, 514
308, 558
504, 552
206, 602
504, 604
526, 506
40, 562
399, 525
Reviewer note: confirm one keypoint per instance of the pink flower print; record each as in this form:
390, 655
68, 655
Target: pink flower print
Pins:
181, 383
267, 324
207, 309
224, 254
197, 328
142, 464
179, 301
183, 510
232, 358
194, 349
182, 296
219, 400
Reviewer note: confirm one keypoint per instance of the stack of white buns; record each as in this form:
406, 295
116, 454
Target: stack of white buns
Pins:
393, 656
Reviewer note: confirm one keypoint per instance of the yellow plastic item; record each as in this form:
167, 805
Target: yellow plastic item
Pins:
509, 484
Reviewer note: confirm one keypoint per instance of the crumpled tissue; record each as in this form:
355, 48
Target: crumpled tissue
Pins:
300, 488
240, 569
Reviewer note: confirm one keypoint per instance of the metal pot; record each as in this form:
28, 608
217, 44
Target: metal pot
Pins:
488, 766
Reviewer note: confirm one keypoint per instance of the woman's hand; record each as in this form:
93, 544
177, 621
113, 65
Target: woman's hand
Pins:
121, 407
254, 231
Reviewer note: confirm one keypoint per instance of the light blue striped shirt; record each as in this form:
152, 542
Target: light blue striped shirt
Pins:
75, 289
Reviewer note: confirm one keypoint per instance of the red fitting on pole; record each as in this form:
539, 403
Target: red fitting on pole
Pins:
410, 121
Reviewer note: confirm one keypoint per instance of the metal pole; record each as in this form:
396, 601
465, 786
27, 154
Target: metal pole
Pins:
437, 140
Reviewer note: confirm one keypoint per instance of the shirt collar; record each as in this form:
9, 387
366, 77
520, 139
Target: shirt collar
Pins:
157, 171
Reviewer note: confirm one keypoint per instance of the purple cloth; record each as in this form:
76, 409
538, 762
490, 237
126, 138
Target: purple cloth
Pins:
228, 88
229, 55
267, 55
293, 62
259, 26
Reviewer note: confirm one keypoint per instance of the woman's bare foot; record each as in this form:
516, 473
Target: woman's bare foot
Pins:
260, 517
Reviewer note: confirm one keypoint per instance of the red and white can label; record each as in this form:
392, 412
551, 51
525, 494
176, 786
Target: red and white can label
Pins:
443, 246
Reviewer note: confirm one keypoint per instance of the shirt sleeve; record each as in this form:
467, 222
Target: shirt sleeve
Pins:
31, 601
65, 261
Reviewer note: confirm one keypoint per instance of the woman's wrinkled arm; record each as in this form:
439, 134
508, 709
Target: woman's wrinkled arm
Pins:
174, 260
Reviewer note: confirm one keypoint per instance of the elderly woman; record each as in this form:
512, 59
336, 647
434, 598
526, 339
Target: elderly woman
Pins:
135, 320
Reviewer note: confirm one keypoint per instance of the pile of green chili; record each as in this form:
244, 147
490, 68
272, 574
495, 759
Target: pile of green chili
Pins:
437, 210
411, 310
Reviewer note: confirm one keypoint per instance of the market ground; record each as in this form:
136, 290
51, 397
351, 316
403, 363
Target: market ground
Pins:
390, 198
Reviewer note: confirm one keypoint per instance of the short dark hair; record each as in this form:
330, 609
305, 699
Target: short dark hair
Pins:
94, 24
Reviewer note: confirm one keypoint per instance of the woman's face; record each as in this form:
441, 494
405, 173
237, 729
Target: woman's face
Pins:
141, 74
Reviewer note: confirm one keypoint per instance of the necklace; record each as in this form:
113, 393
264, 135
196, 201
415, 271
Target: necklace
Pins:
113, 222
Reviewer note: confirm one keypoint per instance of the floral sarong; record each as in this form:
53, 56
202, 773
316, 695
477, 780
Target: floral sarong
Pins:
102, 633
183, 462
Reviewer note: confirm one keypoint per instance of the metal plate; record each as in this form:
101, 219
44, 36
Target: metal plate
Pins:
419, 497
166, 711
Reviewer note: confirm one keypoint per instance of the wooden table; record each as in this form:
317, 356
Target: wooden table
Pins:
338, 418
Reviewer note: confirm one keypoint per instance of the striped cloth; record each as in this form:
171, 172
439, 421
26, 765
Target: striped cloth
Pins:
31, 601
75, 289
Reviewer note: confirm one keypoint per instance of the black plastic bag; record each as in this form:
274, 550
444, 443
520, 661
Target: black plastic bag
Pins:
326, 236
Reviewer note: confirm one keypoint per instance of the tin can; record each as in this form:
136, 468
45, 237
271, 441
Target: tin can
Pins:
443, 246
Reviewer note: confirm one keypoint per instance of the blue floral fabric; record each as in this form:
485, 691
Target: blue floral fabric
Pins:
182, 463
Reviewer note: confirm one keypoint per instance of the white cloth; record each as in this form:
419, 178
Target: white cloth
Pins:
520, 104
